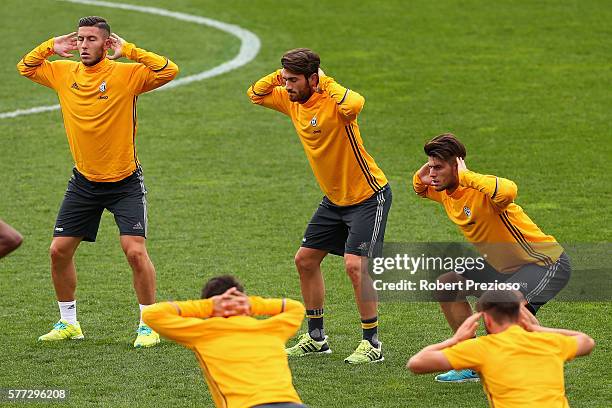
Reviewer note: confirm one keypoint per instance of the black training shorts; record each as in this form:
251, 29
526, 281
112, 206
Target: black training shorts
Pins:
355, 229
84, 202
538, 284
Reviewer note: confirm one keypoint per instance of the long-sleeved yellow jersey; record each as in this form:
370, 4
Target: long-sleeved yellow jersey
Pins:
99, 104
517, 368
483, 208
243, 359
328, 129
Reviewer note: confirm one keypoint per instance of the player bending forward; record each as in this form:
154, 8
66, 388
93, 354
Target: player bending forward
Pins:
516, 250
350, 220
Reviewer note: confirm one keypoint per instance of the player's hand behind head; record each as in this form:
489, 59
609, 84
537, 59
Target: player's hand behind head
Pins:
63, 44
115, 43
320, 74
461, 164
526, 320
467, 330
231, 303
424, 174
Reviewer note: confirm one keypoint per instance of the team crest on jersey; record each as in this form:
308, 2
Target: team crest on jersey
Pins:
102, 86
467, 211
313, 122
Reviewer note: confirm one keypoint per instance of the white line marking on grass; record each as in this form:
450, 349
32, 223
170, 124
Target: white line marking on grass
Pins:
21, 112
249, 47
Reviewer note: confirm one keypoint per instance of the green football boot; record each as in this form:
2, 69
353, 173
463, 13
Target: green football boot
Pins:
366, 353
63, 330
308, 346
146, 337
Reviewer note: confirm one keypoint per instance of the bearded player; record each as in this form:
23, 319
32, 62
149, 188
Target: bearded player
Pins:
350, 220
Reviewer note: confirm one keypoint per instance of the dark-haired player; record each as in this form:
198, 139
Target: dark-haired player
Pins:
98, 99
350, 220
520, 362
483, 208
242, 358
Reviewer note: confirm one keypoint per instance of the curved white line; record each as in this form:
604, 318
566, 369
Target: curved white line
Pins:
249, 47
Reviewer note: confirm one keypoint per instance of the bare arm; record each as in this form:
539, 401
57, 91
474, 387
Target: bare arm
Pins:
10, 239
585, 342
431, 359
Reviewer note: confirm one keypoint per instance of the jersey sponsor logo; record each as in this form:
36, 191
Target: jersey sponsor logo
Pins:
102, 87
75, 86
313, 121
467, 211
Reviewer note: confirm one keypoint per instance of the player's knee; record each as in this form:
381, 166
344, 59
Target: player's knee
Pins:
59, 253
449, 277
136, 255
305, 264
354, 270
446, 295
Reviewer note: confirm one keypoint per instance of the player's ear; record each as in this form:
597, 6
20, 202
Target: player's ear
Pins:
487, 322
313, 80
108, 44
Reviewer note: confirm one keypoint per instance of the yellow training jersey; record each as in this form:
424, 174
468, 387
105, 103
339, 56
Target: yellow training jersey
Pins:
327, 127
243, 359
518, 368
99, 104
483, 208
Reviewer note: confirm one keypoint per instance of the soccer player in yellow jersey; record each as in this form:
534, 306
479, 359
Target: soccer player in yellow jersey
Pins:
350, 220
243, 358
483, 207
98, 99
10, 239
520, 362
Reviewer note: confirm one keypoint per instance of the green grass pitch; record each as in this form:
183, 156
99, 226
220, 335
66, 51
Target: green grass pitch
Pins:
526, 85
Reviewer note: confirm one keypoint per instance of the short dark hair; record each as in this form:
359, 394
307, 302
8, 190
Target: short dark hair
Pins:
301, 61
95, 21
502, 305
219, 284
445, 147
